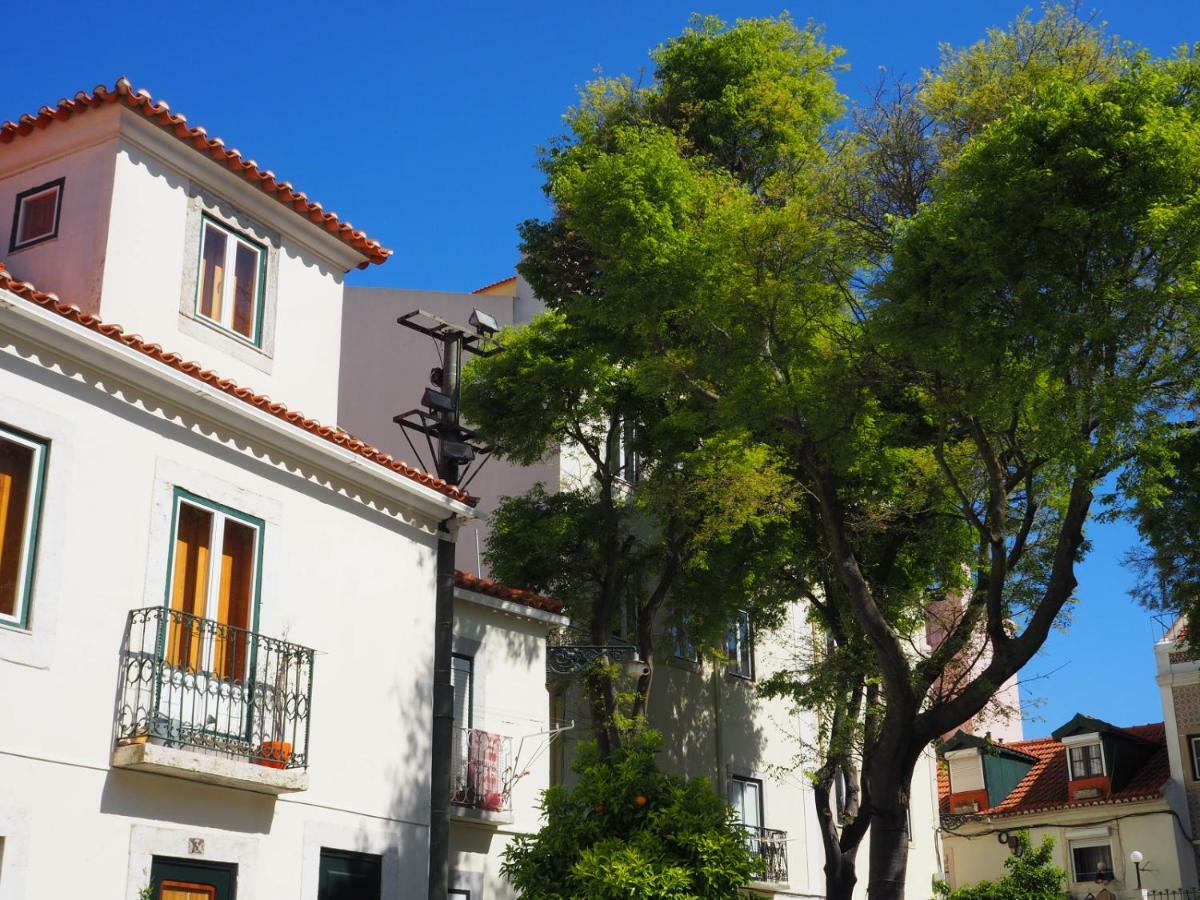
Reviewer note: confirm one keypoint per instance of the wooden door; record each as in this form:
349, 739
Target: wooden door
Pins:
185, 879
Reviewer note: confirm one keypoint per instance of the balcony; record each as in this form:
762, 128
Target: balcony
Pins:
481, 791
208, 702
770, 846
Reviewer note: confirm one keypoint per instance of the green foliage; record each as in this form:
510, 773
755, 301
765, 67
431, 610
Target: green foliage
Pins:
627, 831
1168, 520
975, 85
939, 382
1031, 875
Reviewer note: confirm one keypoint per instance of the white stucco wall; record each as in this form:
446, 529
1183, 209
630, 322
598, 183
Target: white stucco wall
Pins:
352, 581
510, 699
150, 279
72, 264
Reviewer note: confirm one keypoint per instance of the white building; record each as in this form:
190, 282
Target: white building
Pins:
746, 745
216, 613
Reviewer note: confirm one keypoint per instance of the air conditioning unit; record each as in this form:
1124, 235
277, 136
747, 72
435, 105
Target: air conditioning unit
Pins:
961, 808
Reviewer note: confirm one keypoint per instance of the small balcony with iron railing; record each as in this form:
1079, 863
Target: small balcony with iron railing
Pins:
202, 700
482, 773
770, 846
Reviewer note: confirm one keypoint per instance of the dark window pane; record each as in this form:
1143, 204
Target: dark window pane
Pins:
346, 875
1088, 863
37, 216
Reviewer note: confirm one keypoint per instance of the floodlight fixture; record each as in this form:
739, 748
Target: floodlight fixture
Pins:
438, 401
483, 323
457, 452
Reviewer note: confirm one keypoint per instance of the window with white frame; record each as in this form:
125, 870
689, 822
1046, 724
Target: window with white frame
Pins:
1087, 760
1194, 746
1091, 861
36, 215
22, 475
745, 796
739, 647
232, 278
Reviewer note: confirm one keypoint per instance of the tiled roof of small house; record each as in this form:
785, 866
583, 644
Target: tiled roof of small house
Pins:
334, 435
516, 595
1044, 787
159, 113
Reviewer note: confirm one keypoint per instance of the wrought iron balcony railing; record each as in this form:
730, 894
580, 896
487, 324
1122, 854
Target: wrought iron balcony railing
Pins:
483, 771
770, 846
201, 685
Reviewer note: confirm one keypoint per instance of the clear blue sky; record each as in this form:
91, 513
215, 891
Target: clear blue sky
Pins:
419, 123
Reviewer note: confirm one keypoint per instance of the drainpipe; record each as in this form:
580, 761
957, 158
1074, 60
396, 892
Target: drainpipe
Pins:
718, 732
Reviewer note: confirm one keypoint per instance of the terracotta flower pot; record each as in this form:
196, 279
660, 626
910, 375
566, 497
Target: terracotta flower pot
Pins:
274, 754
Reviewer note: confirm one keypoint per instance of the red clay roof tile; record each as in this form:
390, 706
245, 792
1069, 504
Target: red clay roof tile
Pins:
494, 589
160, 114
1044, 788
332, 434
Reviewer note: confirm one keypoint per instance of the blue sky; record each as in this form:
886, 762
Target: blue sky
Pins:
419, 122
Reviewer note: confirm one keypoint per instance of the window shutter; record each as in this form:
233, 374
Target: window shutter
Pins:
966, 774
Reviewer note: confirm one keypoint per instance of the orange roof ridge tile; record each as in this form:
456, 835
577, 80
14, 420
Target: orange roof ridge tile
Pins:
159, 113
488, 287
333, 434
517, 595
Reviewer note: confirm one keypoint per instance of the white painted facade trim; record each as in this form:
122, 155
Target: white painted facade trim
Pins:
38, 325
509, 608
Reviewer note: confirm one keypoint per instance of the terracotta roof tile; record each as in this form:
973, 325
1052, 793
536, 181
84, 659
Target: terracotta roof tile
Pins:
1044, 788
494, 284
494, 589
194, 370
160, 114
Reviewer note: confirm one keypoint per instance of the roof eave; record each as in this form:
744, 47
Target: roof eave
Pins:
47, 328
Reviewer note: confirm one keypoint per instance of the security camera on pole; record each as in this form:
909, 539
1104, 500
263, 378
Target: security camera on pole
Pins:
452, 450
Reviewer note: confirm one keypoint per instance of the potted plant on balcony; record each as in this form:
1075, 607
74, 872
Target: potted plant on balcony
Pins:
276, 753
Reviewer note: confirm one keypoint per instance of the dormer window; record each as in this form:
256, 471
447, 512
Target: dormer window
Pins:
1087, 760
35, 217
968, 789
230, 291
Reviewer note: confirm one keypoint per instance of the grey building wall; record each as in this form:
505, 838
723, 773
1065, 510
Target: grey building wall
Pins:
385, 367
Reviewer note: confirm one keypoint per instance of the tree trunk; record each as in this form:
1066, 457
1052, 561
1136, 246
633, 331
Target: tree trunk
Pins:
890, 780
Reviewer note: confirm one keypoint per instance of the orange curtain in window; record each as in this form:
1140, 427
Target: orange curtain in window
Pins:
237, 581
16, 462
212, 275
189, 589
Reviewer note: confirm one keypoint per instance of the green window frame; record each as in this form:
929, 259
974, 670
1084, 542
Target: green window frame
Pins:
40, 448
224, 322
183, 496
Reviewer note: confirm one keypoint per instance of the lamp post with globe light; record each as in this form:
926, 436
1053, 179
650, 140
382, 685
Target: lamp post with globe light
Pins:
1136, 858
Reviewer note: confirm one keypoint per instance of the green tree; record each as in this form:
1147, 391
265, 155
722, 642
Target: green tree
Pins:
1167, 514
948, 399
1031, 875
652, 503
626, 831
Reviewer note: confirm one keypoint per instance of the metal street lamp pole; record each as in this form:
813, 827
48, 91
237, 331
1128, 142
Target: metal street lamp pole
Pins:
442, 738
1136, 858
440, 425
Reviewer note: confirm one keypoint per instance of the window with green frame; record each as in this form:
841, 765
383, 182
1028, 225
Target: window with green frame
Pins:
215, 573
232, 280
22, 483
